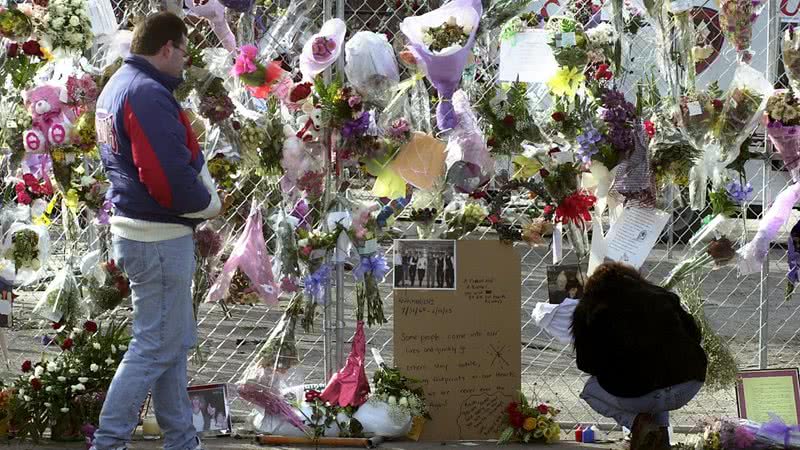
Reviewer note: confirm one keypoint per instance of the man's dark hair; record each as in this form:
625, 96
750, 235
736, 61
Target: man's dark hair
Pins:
156, 30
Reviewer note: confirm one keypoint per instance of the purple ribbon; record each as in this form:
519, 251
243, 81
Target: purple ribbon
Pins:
794, 253
375, 265
315, 284
776, 428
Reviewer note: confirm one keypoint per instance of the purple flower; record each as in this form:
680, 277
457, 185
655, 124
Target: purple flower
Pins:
588, 143
399, 128
739, 193
357, 127
46, 340
354, 101
322, 48
209, 242
619, 115
300, 212
315, 284
289, 285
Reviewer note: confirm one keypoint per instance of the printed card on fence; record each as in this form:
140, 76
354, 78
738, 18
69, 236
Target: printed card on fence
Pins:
527, 58
760, 393
5, 313
635, 233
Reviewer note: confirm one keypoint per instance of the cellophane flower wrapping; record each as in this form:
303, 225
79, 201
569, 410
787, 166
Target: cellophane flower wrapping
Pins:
786, 140
468, 162
371, 67
105, 284
250, 256
444, 69
350, 386
214, 12
25, 251
61, 302
323, 48
791, 57
633, 178
753, 253
736, 18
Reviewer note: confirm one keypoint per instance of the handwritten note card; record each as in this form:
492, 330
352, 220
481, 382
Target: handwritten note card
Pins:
634, 235
761, 392
464, 345
527, 57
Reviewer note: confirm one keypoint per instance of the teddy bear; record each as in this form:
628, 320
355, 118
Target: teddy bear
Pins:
52, 118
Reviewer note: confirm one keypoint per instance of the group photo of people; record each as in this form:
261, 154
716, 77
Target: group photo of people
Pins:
209, 413
422, 264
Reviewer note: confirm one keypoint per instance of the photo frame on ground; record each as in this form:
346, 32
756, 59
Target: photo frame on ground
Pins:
425, 264
565, 280
210, 410
760, 393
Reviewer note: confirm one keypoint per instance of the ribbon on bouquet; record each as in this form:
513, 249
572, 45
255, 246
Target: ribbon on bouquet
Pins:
316, 282
374, 264
777, 430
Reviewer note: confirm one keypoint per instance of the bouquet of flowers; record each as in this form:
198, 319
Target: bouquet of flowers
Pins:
262, 140
569, 42
720, 251
30, 189
783, 126
440, 42
736, 19
88, 190
15, 24
25, 250
369, 273
395, 395
529, 423
462, 217
22, 63
68, 26
279, 352
61, 302
740, 434
257, 77
508, 118
698, 112
106, 286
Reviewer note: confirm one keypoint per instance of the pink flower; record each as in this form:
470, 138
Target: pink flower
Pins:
249, 51
243, 66
23, 198
306, 251
322, 48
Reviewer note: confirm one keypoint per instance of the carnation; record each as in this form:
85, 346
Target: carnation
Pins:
96, 346
62, 379
74, 21
94, 367
57, 23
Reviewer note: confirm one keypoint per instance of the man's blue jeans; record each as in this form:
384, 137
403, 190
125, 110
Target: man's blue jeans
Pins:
164, 330
624, 410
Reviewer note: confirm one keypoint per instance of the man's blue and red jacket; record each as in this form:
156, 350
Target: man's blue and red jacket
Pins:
150, 153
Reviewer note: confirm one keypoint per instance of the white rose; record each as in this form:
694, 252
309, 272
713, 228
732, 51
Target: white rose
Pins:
49, 389
78, 387
403, 402
96, 346
52, 367
392, 400
74, 21
73, 371
83, 380
22, 392
123, 347
47, 404
57, 23
62, 379
75, 38
64, 410
26, 398
109, 361
94, 367
38, 371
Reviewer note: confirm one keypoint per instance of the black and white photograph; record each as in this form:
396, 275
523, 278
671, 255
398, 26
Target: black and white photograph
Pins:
425, 264
210, 412
565, 281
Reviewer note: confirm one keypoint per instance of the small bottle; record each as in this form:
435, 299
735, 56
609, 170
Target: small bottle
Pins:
579, 434
588, 435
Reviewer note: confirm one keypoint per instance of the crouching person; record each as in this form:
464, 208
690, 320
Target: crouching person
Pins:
642, 350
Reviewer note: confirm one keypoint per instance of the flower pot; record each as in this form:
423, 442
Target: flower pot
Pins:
66, 427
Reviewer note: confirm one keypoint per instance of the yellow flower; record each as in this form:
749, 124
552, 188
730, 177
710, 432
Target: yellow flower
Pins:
553, 434
58, 155
47, 55
529, 424
565, 82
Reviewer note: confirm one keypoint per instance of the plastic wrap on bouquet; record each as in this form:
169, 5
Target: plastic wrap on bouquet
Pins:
736, 18
323, 48
791, 57
744, 104
279, 353
787, 142
350, 386
633, 178
371, 67
752, 255
101, 14
214, 12
468, 161
556, 320
24, 253
444, 69
251, 257
776, 432
61, 302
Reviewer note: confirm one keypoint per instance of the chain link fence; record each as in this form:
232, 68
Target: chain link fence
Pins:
754, 315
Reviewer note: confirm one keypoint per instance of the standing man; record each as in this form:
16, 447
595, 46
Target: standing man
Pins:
161, 190
440, 270
449, 270
431, 266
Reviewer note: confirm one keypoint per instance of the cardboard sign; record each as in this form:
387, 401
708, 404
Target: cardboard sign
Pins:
464, 344
763, 392
420, 161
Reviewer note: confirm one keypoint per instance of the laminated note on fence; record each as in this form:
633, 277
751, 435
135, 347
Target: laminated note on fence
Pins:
464, 343
527, 58
635, 233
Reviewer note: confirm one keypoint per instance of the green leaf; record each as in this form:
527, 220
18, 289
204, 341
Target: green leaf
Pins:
505, 436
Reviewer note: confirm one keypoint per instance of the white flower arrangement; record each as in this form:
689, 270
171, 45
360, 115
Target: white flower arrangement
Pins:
603, 34
69, 25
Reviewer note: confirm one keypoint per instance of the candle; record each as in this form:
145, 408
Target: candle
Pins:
150, 428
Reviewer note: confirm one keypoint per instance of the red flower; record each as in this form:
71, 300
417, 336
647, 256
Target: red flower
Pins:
548, 210
477, 195
300, 92
36, 384
553, 151
12, 50
55, 325
30, 180
543, 409
22, 197
90, 327
509, 120
123, 287
512, 407
516, 419
111, 266
575, 208
717, 104
236, 125
306, 251
649, 128
491, 142
312, 395
558, 116
494, 218
27, 366
67, 344
603, 73
32, 48
544, 173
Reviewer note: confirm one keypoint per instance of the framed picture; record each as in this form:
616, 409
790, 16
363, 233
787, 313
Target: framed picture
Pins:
565, 281
210, 409
763, 392
425, 264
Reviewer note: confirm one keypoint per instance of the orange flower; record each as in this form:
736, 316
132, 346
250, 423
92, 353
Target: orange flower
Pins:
529, 424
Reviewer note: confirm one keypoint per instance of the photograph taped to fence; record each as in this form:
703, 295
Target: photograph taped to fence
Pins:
425, 264
565, 281
210, 411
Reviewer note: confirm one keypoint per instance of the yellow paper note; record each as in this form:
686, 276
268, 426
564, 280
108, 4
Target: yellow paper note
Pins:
420, 161
776, 395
